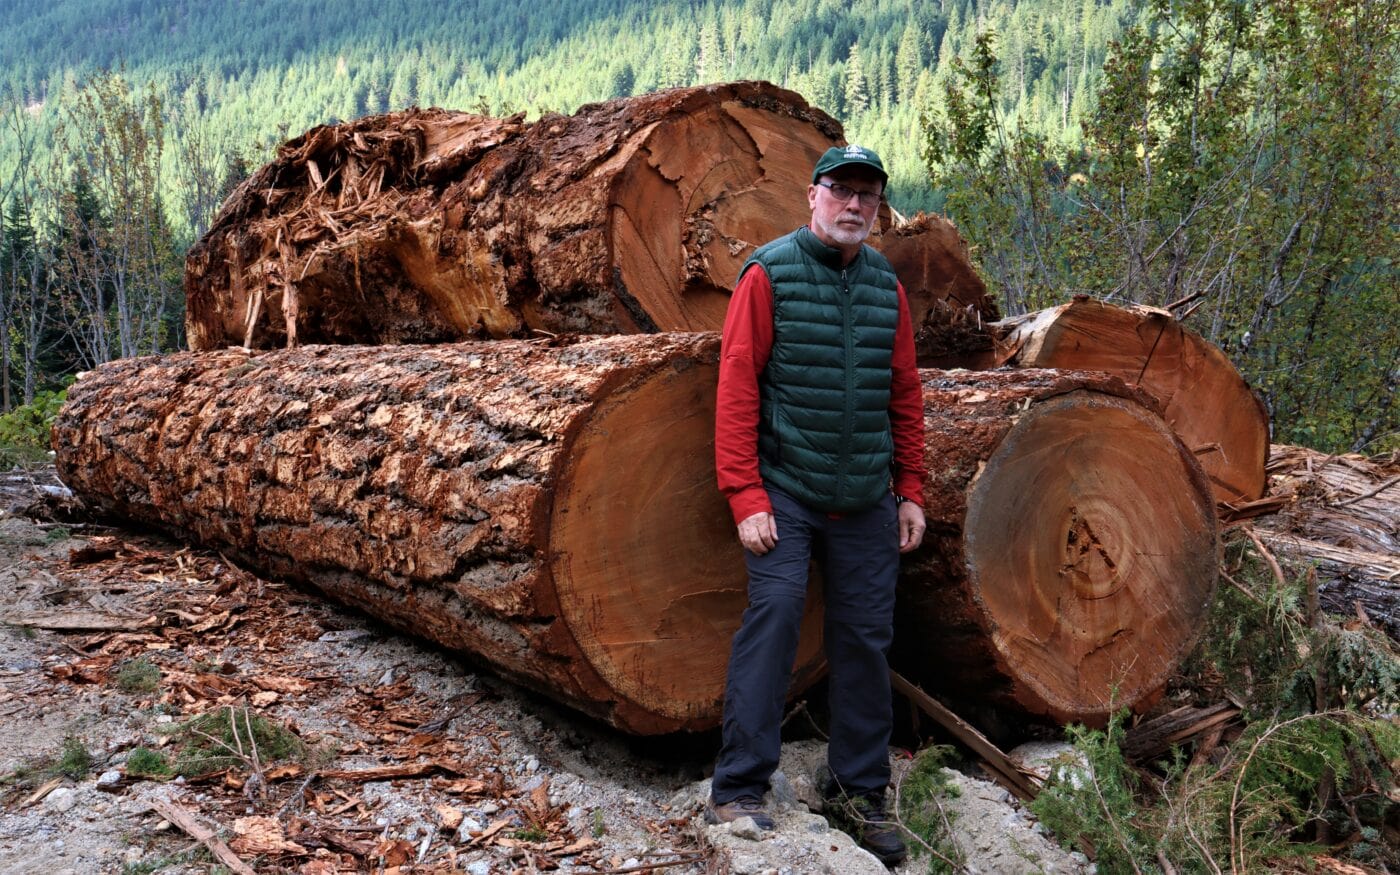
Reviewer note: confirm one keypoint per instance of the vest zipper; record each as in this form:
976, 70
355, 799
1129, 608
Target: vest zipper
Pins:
846, 423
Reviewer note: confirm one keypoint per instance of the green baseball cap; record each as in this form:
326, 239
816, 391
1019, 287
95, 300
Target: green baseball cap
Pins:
845, 156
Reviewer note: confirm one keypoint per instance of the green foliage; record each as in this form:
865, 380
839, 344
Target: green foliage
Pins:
1239, 155
1280, 778
229, 737
24, 431
922, 813
138, 675
73, 760
143, 762
1097, 804
1261, 647
1310, 755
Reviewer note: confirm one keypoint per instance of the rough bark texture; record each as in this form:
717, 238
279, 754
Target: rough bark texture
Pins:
549, 510
634, 215
1072, 548
1203, 396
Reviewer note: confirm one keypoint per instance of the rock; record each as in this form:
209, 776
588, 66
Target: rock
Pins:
343, 636
109, 779
745, 828
61, 800
1056, 760
468, 826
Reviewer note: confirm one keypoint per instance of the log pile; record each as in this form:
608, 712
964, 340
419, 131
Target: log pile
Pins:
550, 510
547, 506
633, 215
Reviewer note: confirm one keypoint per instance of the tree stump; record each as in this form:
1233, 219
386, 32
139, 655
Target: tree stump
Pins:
430, 226
1203, 396
1072, 548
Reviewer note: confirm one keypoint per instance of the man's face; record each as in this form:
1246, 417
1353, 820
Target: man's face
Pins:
844, 223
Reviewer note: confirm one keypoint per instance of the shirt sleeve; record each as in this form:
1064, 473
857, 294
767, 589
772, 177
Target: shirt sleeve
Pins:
907, 410
746, 344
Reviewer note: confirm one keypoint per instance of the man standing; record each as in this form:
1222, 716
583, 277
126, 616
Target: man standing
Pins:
819, 443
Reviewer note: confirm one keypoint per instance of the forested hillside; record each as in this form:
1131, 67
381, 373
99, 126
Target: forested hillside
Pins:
250, 73
127, 121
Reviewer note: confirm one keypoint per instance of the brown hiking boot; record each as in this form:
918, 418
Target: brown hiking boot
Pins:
863, 818
744, 806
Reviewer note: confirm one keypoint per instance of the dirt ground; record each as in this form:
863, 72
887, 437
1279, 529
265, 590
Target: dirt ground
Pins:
404, 758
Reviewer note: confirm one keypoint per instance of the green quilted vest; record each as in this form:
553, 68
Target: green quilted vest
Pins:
824, 427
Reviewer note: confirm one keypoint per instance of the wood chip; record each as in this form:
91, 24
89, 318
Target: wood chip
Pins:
42, 792
450, 817
262, 835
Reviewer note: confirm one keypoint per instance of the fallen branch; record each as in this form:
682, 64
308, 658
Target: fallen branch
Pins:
187, 822
1002, 768
690, 857
384, 773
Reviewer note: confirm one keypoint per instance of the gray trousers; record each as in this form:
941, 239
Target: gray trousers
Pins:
859, 556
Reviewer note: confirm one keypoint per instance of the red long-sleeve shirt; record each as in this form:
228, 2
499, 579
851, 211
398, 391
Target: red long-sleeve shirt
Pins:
744, 351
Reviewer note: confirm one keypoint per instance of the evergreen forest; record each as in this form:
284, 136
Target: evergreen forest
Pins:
1238, 155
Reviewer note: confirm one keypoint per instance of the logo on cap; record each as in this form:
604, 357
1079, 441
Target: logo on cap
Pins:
854, 151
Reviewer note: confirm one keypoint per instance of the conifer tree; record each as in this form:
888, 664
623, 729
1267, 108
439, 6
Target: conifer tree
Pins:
857, 92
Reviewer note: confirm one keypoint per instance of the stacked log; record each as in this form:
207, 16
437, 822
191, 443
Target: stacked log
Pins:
1072, 548
1203, 397
429, 226
550, 509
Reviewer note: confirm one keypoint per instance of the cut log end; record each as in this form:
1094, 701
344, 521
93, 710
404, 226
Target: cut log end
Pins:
1203, 396
649, 575
1091, 548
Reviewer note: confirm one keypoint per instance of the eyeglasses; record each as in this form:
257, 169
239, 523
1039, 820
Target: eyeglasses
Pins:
843, 194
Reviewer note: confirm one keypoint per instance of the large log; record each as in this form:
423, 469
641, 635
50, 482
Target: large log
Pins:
633, 215
551, 509
1072, 548
1203, 396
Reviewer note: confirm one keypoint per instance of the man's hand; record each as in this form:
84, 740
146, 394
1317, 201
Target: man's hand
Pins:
759, 533
911, 526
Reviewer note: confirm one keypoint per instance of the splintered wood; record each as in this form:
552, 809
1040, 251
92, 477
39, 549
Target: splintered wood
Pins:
634, 215
1340, 513
550, 509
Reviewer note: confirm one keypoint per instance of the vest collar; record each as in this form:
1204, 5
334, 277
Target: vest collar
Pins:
828, 256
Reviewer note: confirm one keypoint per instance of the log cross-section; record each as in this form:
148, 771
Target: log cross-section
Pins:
1203, 397
1072, 545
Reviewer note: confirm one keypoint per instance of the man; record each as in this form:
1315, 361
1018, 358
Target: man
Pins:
819, 442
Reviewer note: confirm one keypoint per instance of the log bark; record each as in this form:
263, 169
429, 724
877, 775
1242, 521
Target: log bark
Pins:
1203, 396
429, 226
1072, 548
551, 510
